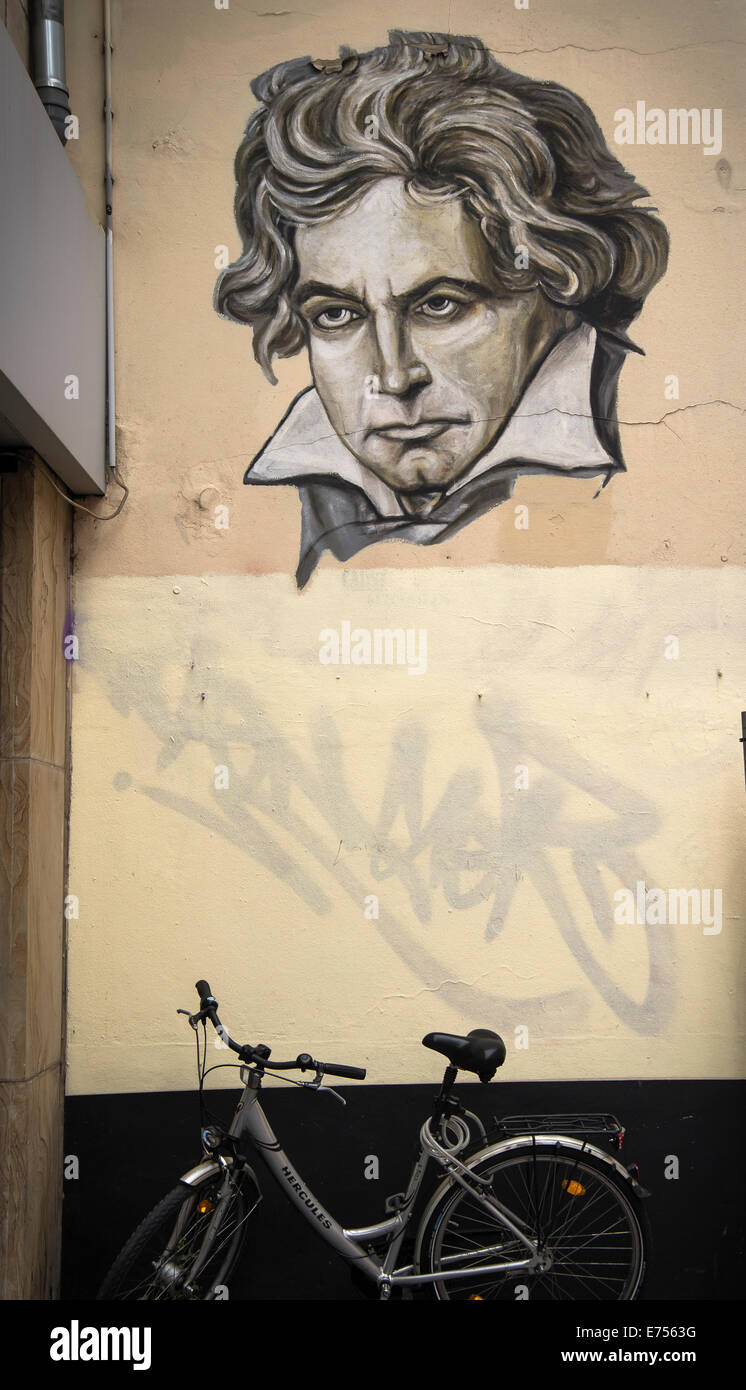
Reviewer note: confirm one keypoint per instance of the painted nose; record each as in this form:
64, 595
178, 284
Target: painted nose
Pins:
399, 369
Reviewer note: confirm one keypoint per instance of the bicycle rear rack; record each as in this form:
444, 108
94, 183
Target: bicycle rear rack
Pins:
511, 1126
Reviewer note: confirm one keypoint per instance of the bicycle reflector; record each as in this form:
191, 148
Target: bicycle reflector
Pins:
573, 1188
204, 1206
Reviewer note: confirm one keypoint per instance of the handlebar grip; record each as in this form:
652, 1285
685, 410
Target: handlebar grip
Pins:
339, 1069
204, 991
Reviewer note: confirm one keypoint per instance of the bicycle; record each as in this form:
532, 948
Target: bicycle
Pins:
537, 1211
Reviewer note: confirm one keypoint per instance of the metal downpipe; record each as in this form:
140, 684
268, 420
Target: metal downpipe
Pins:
47, 18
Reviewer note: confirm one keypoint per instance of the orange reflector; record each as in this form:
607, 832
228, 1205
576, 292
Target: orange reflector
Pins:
573, 1188
473, 1296
204, 1206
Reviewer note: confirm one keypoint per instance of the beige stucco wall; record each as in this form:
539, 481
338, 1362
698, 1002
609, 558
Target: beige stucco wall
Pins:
546, 647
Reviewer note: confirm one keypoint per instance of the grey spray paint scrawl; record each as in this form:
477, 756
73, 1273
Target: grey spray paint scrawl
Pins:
461, 255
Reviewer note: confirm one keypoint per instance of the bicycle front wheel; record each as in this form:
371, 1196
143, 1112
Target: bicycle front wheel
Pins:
588, 1224
189, 1244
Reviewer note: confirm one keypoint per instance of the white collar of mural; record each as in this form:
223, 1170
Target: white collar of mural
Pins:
305, 446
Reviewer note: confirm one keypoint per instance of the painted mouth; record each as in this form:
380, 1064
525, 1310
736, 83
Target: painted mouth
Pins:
411, 434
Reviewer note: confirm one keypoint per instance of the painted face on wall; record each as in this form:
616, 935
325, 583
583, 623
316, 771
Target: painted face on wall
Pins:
417, 353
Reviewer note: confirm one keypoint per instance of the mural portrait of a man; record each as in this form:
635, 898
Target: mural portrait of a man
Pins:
461, 255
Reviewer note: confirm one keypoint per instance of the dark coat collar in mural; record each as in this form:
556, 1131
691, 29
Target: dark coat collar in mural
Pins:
565, 422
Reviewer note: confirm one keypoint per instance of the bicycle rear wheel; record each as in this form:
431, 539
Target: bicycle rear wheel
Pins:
588, 1224
189, 1244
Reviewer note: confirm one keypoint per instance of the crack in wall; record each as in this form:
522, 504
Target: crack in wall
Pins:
532, 415
621, 48
435, 989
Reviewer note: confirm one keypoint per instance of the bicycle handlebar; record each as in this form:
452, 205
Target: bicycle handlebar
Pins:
341, 1069
260, 1053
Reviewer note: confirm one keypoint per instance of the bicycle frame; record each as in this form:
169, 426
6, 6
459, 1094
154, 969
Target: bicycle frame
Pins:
496, 1193
249, 1121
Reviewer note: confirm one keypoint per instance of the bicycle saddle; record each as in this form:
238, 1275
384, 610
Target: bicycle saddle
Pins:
480, 1051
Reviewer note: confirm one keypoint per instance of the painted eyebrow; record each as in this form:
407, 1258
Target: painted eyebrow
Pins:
312, 288
450, 282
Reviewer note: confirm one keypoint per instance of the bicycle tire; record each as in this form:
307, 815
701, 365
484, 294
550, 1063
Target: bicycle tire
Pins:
158, 1260
561, 1195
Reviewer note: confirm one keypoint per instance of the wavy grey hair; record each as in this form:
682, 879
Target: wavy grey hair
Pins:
527, 159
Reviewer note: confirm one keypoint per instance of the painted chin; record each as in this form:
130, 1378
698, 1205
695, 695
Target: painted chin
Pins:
432, 463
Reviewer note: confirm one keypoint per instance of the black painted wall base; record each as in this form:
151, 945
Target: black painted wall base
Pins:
132, 1149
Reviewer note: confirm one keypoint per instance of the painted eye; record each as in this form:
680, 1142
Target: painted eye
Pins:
439, 306
336, 316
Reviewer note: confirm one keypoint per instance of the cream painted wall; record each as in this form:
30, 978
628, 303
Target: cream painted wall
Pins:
496, 904
546, 647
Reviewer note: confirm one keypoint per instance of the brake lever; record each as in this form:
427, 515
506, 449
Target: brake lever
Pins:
193, 1018
316, 1085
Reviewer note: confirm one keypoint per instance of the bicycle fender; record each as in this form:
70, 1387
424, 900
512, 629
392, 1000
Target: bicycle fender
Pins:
542, 1141
209, 1168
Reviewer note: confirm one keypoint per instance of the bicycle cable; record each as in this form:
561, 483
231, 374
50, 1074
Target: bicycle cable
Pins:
206, 1116
236, 1066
